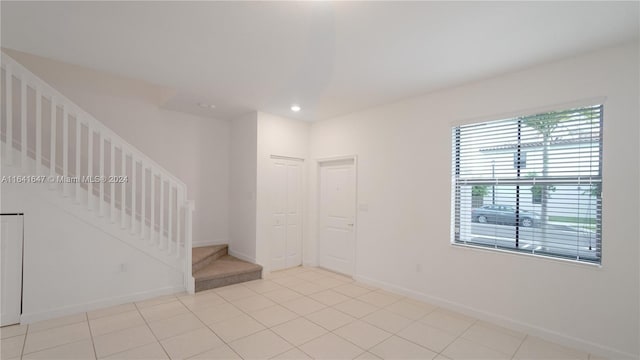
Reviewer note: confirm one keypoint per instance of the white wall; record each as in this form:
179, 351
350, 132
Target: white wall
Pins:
194, 149
282, 137
404, 174
254, 138
404, 154
79, 266
242, 187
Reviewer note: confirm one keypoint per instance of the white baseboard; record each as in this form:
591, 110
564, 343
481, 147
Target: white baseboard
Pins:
98, 304
191, 286
540, 332
209, 243
309, 263
242, 256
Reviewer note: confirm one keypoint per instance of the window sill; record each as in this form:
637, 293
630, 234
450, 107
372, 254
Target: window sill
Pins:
583, 264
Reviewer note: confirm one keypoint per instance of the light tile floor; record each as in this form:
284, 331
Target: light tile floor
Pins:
299, 313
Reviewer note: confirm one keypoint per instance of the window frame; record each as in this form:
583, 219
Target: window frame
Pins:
520, 181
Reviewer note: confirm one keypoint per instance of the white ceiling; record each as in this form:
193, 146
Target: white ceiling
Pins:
332, 58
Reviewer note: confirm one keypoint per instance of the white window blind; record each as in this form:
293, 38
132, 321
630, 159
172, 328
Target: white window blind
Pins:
531, 184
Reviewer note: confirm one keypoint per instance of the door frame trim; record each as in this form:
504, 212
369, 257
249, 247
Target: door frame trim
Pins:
322, 162
283, 157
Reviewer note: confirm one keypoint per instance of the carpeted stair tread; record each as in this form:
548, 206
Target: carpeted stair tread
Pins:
225, 266
205, 255
224, 271
200, 253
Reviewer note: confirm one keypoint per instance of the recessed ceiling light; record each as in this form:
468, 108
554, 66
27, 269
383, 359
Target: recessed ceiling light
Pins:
206, 106
295, 108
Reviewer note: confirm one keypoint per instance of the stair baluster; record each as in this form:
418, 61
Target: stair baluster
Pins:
189, 207
52, 152
161, 232
9, 101
112, 173
152, 225
178, 220
170, 220
23, 118
143, 200
78, 149
89, 166
65, 149
38, 131
101, 157
134, 170
123, 189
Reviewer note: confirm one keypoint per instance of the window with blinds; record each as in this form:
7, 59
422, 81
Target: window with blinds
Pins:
531, 184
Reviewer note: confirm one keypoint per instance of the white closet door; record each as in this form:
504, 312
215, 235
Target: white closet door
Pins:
293, 214
286, 205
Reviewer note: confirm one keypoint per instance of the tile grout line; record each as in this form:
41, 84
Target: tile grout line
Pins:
326, 307
249, 315
519, 346
61, 325
241, 310
489, 347
413, 321
54, 346
457, 337
385, 339
266, 328
126, 328
356, 318
93, 344
208, 327
413, 342
397, 333
286, 351
138, 309
109, 307
24, 342
152, 333
298, 316
270, 328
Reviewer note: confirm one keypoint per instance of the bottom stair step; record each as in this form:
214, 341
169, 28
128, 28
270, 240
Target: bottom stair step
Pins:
224, 271
205, 255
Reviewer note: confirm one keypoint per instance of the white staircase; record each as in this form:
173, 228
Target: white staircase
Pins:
91, 172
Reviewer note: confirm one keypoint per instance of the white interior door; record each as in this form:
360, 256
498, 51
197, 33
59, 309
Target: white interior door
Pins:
337, 208
286, 226
11, 267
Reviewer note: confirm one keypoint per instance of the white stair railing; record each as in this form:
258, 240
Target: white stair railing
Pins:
93, 166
